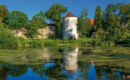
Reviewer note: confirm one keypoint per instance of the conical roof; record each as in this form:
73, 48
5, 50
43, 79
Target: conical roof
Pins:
69, 15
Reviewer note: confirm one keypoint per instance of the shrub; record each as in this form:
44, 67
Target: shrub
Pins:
7, 39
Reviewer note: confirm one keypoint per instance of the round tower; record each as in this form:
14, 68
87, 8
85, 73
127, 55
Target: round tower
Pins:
70, 27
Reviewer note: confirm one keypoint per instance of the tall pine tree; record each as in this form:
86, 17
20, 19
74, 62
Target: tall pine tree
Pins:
84, 23
98, 18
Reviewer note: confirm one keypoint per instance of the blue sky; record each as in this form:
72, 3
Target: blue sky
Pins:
31, 7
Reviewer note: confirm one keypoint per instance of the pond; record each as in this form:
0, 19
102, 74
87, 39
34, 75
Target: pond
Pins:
66, 63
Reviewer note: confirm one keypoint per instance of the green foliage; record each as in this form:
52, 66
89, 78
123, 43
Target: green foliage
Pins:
84, 13
111, 8
50, 43
101, 34
16, 19
112, 23
121, 9
38, 21
125, 42
32, 30
55, 14
84, 23
124, 12
36, 43
113, 27
98, 18
7, 39
3, 12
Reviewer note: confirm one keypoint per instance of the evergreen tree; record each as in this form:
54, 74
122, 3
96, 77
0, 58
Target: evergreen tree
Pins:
84, 23
98, 18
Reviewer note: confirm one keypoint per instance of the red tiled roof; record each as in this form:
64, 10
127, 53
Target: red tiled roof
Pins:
69, 15
92, 21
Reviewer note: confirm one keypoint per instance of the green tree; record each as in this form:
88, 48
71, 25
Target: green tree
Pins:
100, 34
55, 14
98, 18
3, 12
32, 30
84, 13
7, 39
124, 12
111, 8
16, 19
38, 21
113, 27
84, 23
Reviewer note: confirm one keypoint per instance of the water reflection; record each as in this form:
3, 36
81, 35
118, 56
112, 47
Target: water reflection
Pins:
71, 64
69, 67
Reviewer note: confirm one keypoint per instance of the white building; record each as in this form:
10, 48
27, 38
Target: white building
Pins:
70, 26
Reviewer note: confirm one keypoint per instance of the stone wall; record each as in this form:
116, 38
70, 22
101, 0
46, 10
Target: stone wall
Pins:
44, 32
19, 32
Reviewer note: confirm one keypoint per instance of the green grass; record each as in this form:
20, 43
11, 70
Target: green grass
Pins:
40, 43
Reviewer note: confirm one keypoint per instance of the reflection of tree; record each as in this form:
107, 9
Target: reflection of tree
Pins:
52, 72
16, 70
3, 73
13, 70
37, 68
99, 72
110, 72
84, 67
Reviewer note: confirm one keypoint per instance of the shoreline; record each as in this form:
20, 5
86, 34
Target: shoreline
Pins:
40, 43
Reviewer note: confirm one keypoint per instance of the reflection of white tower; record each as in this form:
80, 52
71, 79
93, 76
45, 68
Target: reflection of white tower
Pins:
70, 61
70, 26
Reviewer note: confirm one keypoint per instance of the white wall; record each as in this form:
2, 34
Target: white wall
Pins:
70, 27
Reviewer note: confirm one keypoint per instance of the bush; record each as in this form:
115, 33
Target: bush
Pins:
7, 39
36, 43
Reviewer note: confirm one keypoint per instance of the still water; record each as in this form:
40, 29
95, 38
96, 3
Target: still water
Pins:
66, 63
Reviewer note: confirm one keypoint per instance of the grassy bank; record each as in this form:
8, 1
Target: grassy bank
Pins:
39, 43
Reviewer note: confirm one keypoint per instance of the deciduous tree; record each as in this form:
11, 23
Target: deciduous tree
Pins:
16, 19
55, 14
38, 21
3, 12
